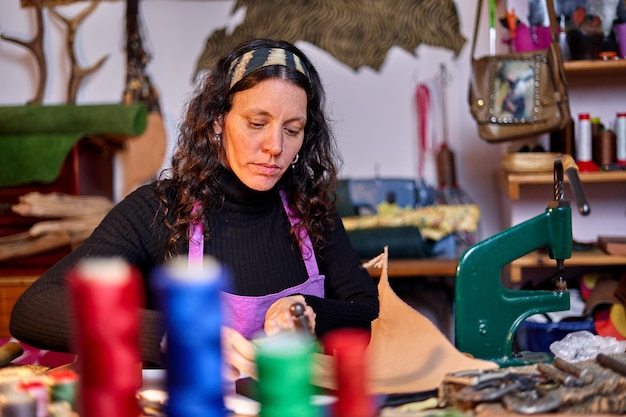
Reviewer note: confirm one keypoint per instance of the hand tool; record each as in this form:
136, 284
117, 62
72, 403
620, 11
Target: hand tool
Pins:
492, 27
511, 23
472, 377
299, 319
497, 387
584, 375
566, 379
488, 391
532, 402
611, 363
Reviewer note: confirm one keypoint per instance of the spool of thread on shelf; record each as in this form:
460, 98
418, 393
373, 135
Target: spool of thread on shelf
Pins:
620, 133
583, 144
284, 365
604, 148
348, 347
189, 294
106, 296
596, 126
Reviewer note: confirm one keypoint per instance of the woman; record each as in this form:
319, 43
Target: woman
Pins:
254, 146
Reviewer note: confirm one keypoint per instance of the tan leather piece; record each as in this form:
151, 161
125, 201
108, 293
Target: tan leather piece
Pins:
407, 352
143, 155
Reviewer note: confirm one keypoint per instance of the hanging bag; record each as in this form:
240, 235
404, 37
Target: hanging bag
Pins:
519, 95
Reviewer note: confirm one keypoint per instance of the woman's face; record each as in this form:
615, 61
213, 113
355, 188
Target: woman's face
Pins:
263, 131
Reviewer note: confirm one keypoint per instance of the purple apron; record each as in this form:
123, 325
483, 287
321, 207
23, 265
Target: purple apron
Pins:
246, 314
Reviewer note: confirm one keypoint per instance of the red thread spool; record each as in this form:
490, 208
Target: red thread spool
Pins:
348, 346
106, 296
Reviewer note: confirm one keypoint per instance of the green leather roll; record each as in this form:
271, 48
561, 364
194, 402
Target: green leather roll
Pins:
404, 242
36, 139
103, 119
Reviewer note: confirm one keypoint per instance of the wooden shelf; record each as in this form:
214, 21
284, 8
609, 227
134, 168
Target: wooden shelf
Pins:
405, 268
595, 257
582, 72
515, 180
596, 66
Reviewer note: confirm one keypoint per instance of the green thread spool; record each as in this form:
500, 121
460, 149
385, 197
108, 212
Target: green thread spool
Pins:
284, 365
64, 387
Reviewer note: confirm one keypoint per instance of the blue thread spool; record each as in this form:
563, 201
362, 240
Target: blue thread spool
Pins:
190, 300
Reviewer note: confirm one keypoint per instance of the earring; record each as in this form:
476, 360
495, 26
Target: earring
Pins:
218, 138
295, 160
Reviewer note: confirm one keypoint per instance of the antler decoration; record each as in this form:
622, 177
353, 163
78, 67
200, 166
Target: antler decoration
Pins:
36, 47
77, 74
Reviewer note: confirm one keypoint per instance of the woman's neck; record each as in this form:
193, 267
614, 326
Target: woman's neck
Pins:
237, 192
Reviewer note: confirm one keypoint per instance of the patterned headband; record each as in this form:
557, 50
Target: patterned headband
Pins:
264, 57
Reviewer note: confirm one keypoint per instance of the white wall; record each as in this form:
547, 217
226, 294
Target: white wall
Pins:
374, 112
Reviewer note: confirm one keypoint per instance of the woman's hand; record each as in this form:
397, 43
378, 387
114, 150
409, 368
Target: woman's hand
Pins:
238, 355
279, 317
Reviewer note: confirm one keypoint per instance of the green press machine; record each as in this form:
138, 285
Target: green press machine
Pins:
487, 314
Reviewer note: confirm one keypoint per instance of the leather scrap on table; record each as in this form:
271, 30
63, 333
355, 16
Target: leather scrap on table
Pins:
407, 352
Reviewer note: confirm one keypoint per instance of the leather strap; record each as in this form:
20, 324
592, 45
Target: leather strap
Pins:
306, 246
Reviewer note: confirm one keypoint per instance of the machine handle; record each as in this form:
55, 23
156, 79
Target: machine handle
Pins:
571, 170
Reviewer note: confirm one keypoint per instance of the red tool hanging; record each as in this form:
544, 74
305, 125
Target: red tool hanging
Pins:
426, 193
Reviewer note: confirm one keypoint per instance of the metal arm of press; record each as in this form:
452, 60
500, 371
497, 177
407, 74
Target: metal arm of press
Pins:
487, 314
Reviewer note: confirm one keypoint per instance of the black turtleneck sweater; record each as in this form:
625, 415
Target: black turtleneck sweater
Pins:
249, 236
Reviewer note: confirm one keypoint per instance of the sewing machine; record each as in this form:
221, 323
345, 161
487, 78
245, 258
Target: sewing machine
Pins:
486, 313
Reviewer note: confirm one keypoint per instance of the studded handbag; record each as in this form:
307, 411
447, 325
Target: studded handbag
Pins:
519, 95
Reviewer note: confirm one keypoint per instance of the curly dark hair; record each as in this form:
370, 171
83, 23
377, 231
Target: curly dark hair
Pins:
191, 179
